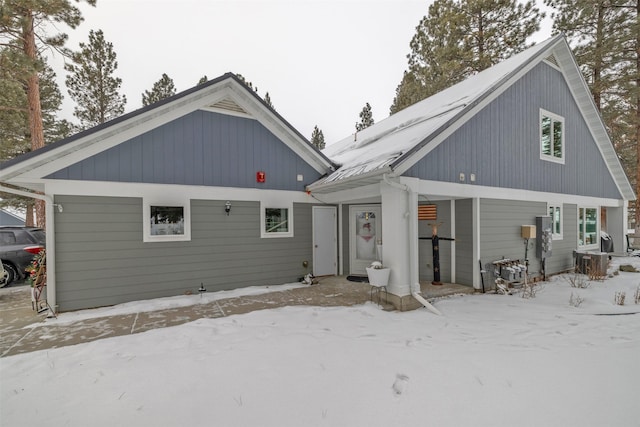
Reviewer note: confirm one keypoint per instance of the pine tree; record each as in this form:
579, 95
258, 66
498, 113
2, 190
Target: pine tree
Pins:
366, 118
458, 38
23, 27
267, 99
161, 89
15, 138
91, 83
203, 80
605, 38
317, 138
247, 83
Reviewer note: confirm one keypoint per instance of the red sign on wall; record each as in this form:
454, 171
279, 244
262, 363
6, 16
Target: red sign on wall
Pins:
261, 176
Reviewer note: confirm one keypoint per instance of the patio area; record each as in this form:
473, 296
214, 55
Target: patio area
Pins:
23, 330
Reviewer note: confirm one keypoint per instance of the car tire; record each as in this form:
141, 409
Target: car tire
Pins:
12, 273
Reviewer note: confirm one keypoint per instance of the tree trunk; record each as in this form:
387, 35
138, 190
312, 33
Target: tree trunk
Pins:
637, 105
33, 100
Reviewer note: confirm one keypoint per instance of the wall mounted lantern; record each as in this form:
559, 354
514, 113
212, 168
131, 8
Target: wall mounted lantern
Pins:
227, 207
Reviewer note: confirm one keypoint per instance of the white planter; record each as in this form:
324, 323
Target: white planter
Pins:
378, 276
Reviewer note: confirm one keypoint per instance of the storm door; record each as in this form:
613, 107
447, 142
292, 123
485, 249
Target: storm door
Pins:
365, 234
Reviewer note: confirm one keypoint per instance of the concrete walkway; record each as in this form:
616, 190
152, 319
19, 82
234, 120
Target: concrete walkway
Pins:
22, 330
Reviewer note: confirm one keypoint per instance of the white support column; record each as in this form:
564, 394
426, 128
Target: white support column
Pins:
475, 213
452, 207
617, 224
395, 232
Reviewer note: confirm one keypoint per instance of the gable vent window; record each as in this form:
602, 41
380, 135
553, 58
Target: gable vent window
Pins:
551, 137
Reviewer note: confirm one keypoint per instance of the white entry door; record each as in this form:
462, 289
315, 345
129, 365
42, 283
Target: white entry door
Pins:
325, 245
365, 232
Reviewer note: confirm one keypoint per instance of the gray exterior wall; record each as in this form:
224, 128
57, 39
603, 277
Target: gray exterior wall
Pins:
425, 247
201, 148
500, 234
465, 263
101, 258
501, 144
346, 260
562, 250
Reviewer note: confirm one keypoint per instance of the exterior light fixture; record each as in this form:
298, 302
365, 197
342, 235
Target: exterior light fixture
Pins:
227, 207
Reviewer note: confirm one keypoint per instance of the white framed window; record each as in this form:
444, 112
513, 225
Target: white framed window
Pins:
166, 221
552, 144
276, 220
588, 228
555, 212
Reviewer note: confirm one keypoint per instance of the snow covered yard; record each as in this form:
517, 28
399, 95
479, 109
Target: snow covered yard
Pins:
491, 360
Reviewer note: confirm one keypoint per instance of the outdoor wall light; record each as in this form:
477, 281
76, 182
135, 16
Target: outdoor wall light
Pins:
227, 207
60, 208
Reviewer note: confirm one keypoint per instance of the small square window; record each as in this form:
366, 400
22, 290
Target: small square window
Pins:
551, 137
166, 222
276, 221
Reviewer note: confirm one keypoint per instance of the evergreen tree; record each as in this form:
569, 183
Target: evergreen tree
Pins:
15, 138
267, 99
605, 37
161, 89
91, 83
203, 80
248, 83
317, 138
23, 26
458, 38
366, 118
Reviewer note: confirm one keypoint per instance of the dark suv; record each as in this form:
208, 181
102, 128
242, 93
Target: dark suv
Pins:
18, 246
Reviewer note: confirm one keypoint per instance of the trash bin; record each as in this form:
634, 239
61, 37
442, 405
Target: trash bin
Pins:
606, 242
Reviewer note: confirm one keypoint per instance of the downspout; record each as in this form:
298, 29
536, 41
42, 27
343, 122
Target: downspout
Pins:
413, 250
50, 233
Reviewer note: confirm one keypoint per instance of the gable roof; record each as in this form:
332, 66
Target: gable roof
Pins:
226, 94
396, 143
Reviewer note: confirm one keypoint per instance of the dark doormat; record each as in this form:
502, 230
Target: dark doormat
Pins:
362, 279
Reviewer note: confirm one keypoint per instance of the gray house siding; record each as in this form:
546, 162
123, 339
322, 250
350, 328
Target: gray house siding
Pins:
201, 148
562, 249
501, 144
464, 242
425, 247
346, 266
101, 258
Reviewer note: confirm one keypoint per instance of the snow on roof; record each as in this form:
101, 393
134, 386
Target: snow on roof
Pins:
379, 146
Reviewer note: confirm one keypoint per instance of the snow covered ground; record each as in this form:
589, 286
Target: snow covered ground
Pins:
490, 360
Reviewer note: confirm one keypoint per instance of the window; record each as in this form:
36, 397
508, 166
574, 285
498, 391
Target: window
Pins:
277, 221
551, 137
588, 235
555, 212
166, 222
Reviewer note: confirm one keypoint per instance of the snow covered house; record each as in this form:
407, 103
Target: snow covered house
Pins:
212, 186
480, 160
206, 187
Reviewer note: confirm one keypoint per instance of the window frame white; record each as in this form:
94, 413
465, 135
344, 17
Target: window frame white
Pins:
595, 245
263, 217
554, 118
185, 204
556, 226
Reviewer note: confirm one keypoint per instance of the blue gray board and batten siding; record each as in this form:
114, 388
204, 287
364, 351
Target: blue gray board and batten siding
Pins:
501, 144
101, 258
200, 148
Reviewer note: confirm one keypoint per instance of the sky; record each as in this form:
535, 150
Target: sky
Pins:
320, 60
488, 360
